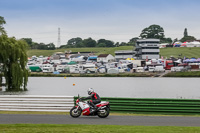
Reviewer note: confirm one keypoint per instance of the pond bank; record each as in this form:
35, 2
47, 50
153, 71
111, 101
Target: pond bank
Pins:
146, 74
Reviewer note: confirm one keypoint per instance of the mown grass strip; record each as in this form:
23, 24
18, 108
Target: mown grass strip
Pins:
55, 128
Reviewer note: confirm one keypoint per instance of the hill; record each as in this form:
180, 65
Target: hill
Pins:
165, 52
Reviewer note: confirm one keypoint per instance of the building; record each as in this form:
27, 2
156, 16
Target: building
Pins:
124, 54
147, 49
105, 58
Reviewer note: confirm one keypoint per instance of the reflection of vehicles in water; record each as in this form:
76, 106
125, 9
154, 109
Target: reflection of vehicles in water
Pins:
103, 109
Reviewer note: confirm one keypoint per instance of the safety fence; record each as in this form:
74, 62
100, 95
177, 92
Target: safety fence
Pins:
129, 105
153, 106
36, 103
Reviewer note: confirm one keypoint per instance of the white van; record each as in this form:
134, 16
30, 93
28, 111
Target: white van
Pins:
159, 69
140, 69
151, 69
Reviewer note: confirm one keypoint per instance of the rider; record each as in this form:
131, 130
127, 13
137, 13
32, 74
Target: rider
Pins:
95, 98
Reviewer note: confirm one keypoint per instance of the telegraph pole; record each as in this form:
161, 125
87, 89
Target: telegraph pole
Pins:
58, 44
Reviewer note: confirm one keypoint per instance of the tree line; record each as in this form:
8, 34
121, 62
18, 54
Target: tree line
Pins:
41, 46
153, 31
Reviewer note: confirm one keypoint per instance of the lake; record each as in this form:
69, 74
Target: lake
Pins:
187, 88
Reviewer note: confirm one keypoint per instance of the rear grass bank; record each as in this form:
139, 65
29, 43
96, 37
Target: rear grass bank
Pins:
165, 52
96, 50
60, 128
183, 74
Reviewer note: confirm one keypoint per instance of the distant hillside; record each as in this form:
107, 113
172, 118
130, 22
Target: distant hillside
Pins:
101, 50
180, 52
165, 52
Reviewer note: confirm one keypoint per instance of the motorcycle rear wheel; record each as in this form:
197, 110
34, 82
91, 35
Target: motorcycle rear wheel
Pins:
103, 113
75, 113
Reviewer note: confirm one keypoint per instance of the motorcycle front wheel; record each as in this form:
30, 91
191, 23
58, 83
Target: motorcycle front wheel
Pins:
103, 113
74, 112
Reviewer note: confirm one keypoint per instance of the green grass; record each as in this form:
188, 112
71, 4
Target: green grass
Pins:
183, 51
96, 50
61, 128
183, 74
165, 52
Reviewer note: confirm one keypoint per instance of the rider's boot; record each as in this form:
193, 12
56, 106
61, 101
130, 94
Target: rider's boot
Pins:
94, 108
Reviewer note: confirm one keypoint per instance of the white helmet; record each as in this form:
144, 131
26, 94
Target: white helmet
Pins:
90, 90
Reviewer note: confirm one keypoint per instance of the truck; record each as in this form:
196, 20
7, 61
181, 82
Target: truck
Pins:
167, 64
139, 63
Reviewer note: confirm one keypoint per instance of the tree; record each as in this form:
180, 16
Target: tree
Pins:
185, 32
14, 59
2, 22
132, 41
101, 45
122, 44
51, 46
89, 42
108, 43
153, 31
77, 42
117, 44
188, 38
28, 41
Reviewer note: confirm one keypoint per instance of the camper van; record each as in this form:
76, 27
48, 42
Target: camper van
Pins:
47, 68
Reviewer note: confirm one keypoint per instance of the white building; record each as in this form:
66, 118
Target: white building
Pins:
124, 54
147, 49
105, 58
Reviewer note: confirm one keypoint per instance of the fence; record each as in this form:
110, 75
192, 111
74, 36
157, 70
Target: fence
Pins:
36, 103
153, 106
129, 105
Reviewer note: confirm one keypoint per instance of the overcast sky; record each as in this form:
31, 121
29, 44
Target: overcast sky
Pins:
116, 20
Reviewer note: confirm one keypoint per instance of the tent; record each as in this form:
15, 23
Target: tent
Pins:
72, 63
130, 59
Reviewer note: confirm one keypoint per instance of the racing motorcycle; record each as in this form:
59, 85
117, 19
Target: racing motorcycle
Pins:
103, 109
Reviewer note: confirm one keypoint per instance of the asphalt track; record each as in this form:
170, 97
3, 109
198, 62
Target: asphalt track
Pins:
110, 120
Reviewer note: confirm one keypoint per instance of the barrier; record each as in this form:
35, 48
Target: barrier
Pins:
153, 106
36, 103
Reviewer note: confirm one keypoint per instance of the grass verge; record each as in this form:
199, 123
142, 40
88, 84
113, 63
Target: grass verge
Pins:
183, 74
44, 128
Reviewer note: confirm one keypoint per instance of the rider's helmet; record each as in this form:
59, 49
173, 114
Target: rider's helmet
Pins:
90, 90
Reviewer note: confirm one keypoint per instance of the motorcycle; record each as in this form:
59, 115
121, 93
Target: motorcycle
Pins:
103, 109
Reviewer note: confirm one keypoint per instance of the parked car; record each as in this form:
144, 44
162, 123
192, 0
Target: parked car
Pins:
140, 69
151, 69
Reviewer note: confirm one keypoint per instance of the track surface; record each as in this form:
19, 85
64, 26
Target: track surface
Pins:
110, 120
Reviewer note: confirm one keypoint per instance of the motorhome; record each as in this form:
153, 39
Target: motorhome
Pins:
47, 68
89, 68
60, 68
139, 63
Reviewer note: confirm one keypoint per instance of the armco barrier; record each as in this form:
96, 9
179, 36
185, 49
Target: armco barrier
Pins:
149, 105
36, 103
